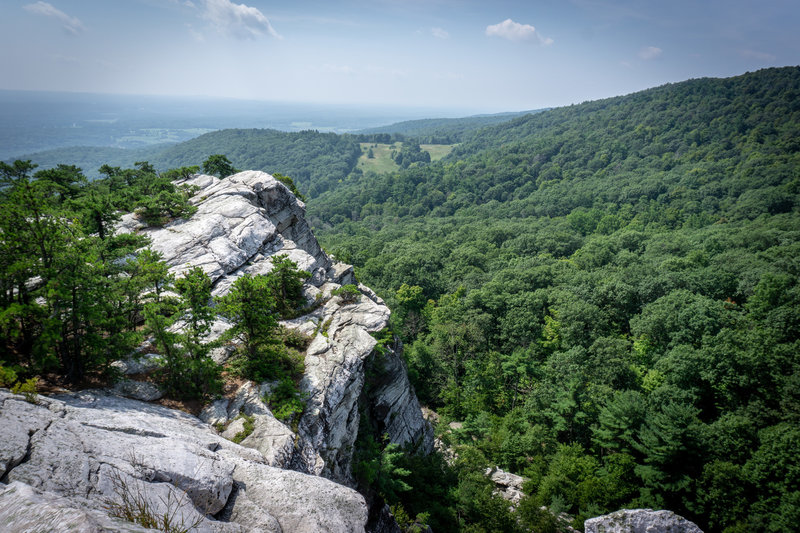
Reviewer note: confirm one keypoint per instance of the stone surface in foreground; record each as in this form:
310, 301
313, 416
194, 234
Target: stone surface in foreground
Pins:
640, 521
75, 455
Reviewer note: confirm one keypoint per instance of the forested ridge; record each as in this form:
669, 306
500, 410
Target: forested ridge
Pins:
443, 130
316, 161
606, 295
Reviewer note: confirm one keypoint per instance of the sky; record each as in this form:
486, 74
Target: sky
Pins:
485, 56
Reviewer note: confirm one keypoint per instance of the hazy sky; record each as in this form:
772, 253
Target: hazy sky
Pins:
493, 55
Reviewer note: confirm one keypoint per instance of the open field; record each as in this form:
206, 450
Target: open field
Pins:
383, 162
437, 151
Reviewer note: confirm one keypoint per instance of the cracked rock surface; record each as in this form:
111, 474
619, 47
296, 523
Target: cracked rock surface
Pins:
84, 452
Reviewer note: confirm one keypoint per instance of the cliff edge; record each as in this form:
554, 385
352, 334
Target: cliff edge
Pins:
80, 455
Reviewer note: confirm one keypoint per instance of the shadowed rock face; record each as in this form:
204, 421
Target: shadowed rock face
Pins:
75, 453
640, 521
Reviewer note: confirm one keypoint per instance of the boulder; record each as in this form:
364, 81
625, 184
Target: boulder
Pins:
508, 485
138, 390
640, 521
240, 222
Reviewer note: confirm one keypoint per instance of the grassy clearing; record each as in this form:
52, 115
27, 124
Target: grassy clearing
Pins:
437, 151
383, 162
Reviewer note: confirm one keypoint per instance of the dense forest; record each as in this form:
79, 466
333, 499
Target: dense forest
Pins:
316, 161
606, 295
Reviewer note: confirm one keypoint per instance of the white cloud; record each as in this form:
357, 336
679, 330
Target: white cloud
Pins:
514, 31
439, 33
650, 52
72, 24
238, 20
189, 3
388, 72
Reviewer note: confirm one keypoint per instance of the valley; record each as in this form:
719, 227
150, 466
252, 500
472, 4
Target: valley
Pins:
602, 298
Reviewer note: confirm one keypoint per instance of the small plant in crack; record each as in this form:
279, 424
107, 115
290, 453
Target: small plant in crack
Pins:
134, 502
247, 428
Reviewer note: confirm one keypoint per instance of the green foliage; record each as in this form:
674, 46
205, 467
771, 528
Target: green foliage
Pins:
606, 295
187, 372
248, 426
316, 161
409, 153
380, 468
325, 326
347, 293
195, 290
436, 130
218, 165
285, 281
8, 376
182, 173
250, 307
28, 388
188, 378
70, 294
285, 400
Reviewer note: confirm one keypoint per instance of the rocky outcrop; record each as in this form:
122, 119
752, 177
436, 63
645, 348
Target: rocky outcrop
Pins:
507, 485
89, 452
334, 383
393, 406
83, 454
241, 222
640, 521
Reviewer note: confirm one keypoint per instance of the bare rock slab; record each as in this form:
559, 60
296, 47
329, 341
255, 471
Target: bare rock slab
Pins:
640, 521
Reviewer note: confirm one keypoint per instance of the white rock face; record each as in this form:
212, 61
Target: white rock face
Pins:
640, 521
77, 454
240, 223
81, 451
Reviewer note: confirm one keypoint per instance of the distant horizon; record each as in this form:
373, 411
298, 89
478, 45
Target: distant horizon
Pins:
332, 104
33, 121
451, 111
485, 57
